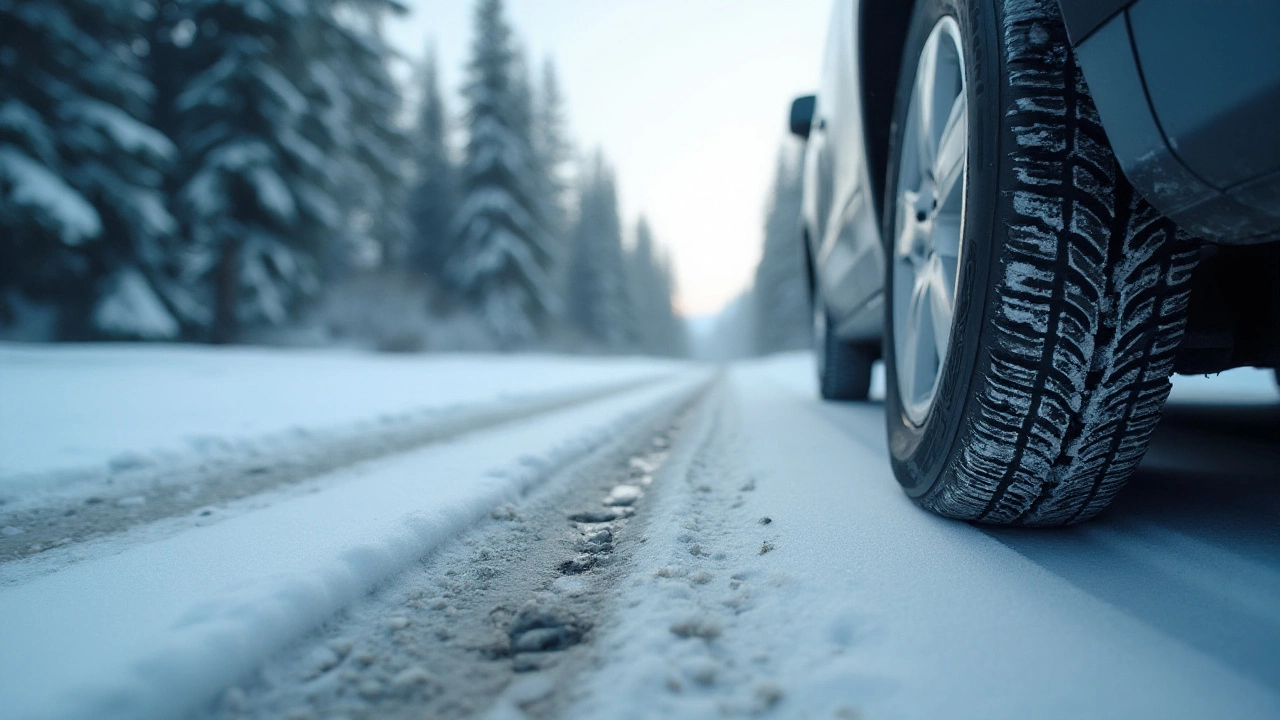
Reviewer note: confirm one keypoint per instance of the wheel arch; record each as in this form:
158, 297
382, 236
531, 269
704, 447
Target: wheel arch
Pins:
882, 35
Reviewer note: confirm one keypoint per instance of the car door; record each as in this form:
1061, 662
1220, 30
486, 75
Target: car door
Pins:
848, 257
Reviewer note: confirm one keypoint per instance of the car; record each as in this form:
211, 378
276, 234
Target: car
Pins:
1035, 212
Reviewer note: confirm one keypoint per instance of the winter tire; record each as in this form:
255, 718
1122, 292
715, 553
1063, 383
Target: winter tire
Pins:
1034, 302
844, 368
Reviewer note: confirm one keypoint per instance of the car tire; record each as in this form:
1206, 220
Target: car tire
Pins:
844, 368
1070, 291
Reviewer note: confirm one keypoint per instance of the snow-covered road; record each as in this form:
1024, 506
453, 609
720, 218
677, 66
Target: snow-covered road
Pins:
642, 540
864, 606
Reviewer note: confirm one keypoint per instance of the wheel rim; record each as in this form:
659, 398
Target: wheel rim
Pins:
930, 217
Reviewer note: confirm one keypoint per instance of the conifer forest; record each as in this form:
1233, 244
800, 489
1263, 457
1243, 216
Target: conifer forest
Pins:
251, 171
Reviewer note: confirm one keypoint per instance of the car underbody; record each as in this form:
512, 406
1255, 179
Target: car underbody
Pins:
1234, 318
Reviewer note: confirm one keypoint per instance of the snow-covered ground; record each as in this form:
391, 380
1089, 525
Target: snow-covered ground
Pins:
149, 624
72, 413
754, 558
807, 583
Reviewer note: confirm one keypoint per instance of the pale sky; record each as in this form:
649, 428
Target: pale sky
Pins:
688, 99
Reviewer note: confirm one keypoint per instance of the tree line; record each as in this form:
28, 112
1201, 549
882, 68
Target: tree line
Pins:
221, 170
781, 317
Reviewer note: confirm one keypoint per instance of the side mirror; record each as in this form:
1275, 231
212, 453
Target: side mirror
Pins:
802, 116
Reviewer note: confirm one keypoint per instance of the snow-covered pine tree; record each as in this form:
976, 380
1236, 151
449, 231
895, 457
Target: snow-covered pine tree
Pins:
167, 31
599, 302
677, 342
553, 152
83, 225
780, 292
659, 331
434, 198
730, 335
502, 252
257, 195
357, 103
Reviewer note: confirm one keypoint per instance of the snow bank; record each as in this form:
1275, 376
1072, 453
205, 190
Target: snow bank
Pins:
65, 410
158, 628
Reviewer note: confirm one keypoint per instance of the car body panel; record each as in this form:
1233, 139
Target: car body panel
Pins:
841, 219
1189, 96
1082, 17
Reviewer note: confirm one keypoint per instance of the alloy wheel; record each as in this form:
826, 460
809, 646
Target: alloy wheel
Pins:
928, 226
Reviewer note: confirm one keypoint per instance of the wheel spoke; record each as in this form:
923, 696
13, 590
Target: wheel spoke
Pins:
909, 348
941, 306
907, 225
946, 236
949, 162
922, 352
926, 84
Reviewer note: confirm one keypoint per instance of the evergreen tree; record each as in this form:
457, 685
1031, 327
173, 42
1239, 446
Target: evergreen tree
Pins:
83, 224
553, 151
599, 302
435, 194
503, 250
658, 330
730, 335
168, 31
678, 341
780, 294
357, 103
257, 192
551, 135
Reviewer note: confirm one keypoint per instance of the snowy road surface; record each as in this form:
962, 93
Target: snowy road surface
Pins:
635, 539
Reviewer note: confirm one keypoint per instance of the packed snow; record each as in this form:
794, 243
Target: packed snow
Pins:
71, 411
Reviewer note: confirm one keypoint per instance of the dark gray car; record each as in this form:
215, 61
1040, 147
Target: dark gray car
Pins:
1036, 211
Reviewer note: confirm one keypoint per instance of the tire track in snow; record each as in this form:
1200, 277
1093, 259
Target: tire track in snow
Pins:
200, 489
699, 636
171, 622
503, 617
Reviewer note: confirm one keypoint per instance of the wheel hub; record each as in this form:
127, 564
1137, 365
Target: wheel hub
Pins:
928, 226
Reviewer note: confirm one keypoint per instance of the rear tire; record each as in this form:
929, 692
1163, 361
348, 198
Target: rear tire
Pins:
1070, 291
844, 368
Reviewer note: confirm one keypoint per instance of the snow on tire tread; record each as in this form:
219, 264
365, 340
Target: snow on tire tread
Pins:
1089, 313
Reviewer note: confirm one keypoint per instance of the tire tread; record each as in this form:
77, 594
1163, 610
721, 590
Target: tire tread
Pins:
845, 373
1087, 317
